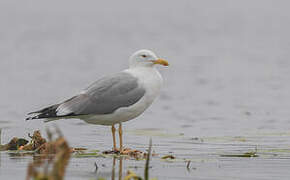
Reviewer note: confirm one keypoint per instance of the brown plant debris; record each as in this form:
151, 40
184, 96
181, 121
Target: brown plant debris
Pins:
168, 157
132, 153
132, 176
37, 143
14, 144
54, 158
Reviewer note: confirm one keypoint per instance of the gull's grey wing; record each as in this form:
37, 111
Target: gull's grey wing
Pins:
102, 97
106, 95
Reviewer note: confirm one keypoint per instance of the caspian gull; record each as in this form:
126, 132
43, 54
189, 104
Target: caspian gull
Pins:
113, 99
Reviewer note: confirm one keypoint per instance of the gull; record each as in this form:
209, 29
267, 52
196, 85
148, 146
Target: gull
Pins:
113, 99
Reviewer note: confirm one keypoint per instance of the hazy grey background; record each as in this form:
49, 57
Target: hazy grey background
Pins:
228, 74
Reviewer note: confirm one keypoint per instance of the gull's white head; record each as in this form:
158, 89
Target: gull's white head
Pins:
145, 58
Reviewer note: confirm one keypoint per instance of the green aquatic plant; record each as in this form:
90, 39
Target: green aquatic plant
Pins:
168, 157
247, 154
53, 160
132, 176
146, 171
88, 154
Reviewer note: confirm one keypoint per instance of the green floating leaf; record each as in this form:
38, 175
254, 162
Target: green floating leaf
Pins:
101, 179
247, 154
95, 150
225, 138
92, 154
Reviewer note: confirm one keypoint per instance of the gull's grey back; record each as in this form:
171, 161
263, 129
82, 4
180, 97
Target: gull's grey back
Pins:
102, 97
106, 95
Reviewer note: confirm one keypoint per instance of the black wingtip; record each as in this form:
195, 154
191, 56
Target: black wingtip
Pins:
29, 118
47, 112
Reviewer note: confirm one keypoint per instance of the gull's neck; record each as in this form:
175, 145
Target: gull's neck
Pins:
142, 70
147, 65
145, 72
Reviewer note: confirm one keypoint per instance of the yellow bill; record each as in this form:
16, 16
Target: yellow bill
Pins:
161, 62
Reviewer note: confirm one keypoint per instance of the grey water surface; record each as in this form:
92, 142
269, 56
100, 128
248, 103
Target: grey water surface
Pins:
226, 90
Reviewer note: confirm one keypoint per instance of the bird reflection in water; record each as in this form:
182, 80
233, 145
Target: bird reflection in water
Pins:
120, 168
117, 163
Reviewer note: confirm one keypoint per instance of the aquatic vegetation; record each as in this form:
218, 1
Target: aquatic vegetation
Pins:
82, 154
55, 155
247, 154
132, 176
36, 144
131, 153
45, 156
14, 144
225, 139
168, 157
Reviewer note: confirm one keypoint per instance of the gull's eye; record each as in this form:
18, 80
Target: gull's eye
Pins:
143, 55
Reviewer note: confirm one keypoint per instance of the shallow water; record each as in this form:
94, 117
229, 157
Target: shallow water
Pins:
226, 90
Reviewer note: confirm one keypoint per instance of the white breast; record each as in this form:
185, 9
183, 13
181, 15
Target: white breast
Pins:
148, 78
